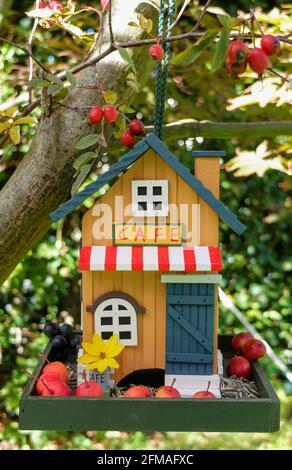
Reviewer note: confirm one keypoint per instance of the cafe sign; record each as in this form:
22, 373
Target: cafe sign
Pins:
147, 234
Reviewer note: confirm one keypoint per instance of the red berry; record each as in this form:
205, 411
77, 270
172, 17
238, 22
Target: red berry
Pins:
270, 44
104, 4
55, 5
127, 139
237, 51
42, 5
258, 60
95, 115
239, 366
110, 113
254, 349
136, 127
157, 52
235, 68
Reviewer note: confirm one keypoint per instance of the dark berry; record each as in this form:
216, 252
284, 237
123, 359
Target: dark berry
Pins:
59, 343
51, 329
75, 342
66, 330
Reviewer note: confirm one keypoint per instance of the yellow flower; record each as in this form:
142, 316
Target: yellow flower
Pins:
100, 355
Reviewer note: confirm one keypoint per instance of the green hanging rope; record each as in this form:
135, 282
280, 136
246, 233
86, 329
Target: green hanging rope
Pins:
162, 70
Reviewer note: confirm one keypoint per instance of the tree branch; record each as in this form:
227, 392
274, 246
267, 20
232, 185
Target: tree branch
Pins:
223, 130
26, 51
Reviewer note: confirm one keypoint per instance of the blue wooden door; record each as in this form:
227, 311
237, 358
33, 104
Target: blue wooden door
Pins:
189, 328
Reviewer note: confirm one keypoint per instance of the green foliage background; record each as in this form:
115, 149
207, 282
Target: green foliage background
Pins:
257, 270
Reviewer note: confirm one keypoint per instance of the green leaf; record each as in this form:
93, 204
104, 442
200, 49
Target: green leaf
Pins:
87, 141
126, 56
125, 109
83, 159
110, 97
71, 78
142, 21
14, 133
229, 22
149, 26
25, 120
84, 172
221, 50
132, 23
56, 80
53, 89
190, 55
39, 83
134, 85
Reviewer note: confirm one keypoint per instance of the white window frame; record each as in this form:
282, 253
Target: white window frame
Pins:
150, 198
115, 314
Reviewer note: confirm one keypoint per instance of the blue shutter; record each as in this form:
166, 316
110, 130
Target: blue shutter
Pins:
189, 329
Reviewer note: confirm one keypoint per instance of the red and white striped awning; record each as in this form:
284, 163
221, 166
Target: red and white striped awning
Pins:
150, 258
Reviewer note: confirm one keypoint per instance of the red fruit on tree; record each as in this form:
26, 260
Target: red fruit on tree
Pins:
239, 340
139, 391
89, 388
254, 349
136, 127
239, 366
258, 60
95, 115
43, 5
127, 139
110, 113
235, 68
157, 52
55, 5
237, 51
270, 44
104, 4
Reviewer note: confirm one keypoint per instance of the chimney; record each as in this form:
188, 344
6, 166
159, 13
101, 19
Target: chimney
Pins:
207, 169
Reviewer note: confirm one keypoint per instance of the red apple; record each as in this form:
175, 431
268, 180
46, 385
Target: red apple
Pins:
254, 349
138, 391
204, 393
57, 389
239, 366
89, 388
57, 368
239, 340
45, 380
167, 392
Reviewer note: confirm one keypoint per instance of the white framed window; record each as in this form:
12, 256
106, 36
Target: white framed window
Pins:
149, 198
117, 316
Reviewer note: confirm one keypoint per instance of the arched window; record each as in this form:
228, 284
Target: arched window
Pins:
116, 313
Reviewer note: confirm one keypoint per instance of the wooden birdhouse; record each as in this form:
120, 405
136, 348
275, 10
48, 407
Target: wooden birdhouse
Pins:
150, 263
150, 260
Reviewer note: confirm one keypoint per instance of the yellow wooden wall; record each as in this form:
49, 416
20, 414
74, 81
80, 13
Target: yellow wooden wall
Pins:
145, 287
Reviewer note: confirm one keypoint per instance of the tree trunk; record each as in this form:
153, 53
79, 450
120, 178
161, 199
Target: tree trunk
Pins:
43, 179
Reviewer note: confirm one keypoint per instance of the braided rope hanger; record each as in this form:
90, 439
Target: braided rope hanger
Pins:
162, 69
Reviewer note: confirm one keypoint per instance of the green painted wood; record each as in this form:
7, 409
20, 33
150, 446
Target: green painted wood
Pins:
191, 278
189, 328
191, 300
148, 415
189, 358
209, 153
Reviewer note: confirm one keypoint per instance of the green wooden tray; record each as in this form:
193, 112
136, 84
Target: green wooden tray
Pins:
212, 415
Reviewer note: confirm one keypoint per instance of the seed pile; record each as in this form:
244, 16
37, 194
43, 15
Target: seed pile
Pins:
233, 387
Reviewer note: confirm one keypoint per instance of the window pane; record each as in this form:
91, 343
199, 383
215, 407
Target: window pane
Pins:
108, 307
106, 334
125, 335
106, 321
124, 320
142, 190
122, 307
157, 206
157, 190
142, 206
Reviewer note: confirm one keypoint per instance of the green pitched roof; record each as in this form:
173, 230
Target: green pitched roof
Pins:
151, 141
